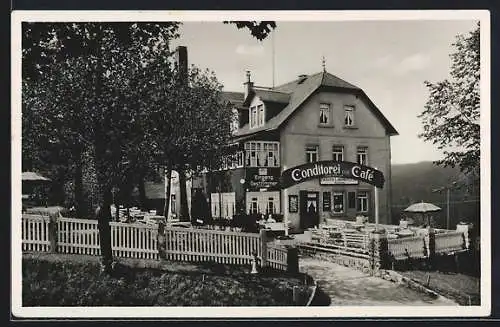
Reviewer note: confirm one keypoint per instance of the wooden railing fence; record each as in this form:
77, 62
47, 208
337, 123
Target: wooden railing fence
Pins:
141, 241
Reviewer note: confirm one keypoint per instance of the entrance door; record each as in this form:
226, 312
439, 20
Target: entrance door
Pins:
309, 209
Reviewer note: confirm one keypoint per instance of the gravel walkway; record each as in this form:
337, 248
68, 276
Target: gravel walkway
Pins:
346, 286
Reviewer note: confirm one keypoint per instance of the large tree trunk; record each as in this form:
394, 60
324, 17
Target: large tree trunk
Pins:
184, 214
142, 194
78, 179
103, 212
168, 180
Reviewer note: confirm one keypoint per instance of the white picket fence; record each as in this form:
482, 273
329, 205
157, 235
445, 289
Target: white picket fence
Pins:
347, 240
35, 233
186, 244
140, 241
77, 236
134, 240
402, 248
277, 256
449, 241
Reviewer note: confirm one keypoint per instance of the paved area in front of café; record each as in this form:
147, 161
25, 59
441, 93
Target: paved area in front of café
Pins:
346, 286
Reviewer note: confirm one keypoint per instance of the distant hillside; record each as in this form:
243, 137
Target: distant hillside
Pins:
414, 183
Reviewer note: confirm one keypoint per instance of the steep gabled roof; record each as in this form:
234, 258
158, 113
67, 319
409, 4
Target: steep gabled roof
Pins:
301, 89
269, 95
236, 98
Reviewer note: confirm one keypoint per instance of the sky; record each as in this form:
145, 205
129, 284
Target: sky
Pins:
389, 60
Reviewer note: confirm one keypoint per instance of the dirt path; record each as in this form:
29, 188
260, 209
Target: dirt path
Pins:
346, 286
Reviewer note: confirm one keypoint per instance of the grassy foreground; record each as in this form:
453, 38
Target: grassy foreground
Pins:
462, 288
72, 283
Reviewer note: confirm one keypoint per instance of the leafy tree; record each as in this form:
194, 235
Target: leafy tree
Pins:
451, 115
259, 30
109, 88
86, 99
188, 126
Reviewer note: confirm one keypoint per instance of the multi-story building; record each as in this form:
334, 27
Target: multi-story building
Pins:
313, 118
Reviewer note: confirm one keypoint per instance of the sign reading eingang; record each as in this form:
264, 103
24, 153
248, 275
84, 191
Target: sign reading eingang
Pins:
329, 168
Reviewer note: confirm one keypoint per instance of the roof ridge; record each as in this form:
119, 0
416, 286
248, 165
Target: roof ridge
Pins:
272, 90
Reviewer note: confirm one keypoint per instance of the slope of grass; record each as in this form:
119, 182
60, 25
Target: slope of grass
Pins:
69, 283
462, 288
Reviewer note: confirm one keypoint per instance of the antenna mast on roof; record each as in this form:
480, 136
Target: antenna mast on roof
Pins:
272, 44
323, 63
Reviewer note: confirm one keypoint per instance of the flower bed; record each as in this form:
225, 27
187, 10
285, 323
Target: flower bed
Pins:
64, 283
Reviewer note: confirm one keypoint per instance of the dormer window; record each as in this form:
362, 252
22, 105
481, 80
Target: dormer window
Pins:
253, 117
257, 116
260, 115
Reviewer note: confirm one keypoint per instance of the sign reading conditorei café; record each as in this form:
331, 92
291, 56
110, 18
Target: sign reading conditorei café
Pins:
329, 168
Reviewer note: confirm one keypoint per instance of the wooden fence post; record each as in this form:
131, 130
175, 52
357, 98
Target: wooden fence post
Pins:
430, 241
53, 231
292, 260
162, 241
380, 250
263, 242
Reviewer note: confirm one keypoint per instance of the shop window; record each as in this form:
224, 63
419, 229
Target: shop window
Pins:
324, 114
270, 206
351, 200
338, 153
312, 153
262, 154
362, 155
263, 202
338, 202
327, 201
363, 201
223, 204
254, 205
349, 116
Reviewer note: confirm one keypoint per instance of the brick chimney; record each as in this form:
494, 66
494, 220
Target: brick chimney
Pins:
181, 59
248, 85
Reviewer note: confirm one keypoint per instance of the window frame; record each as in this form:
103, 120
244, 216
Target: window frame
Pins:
309, 152
334, 193
334, 153
325, 107
362, 150
365, 197
261, 115
253, 117
327, 201
257, 151
349, 111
